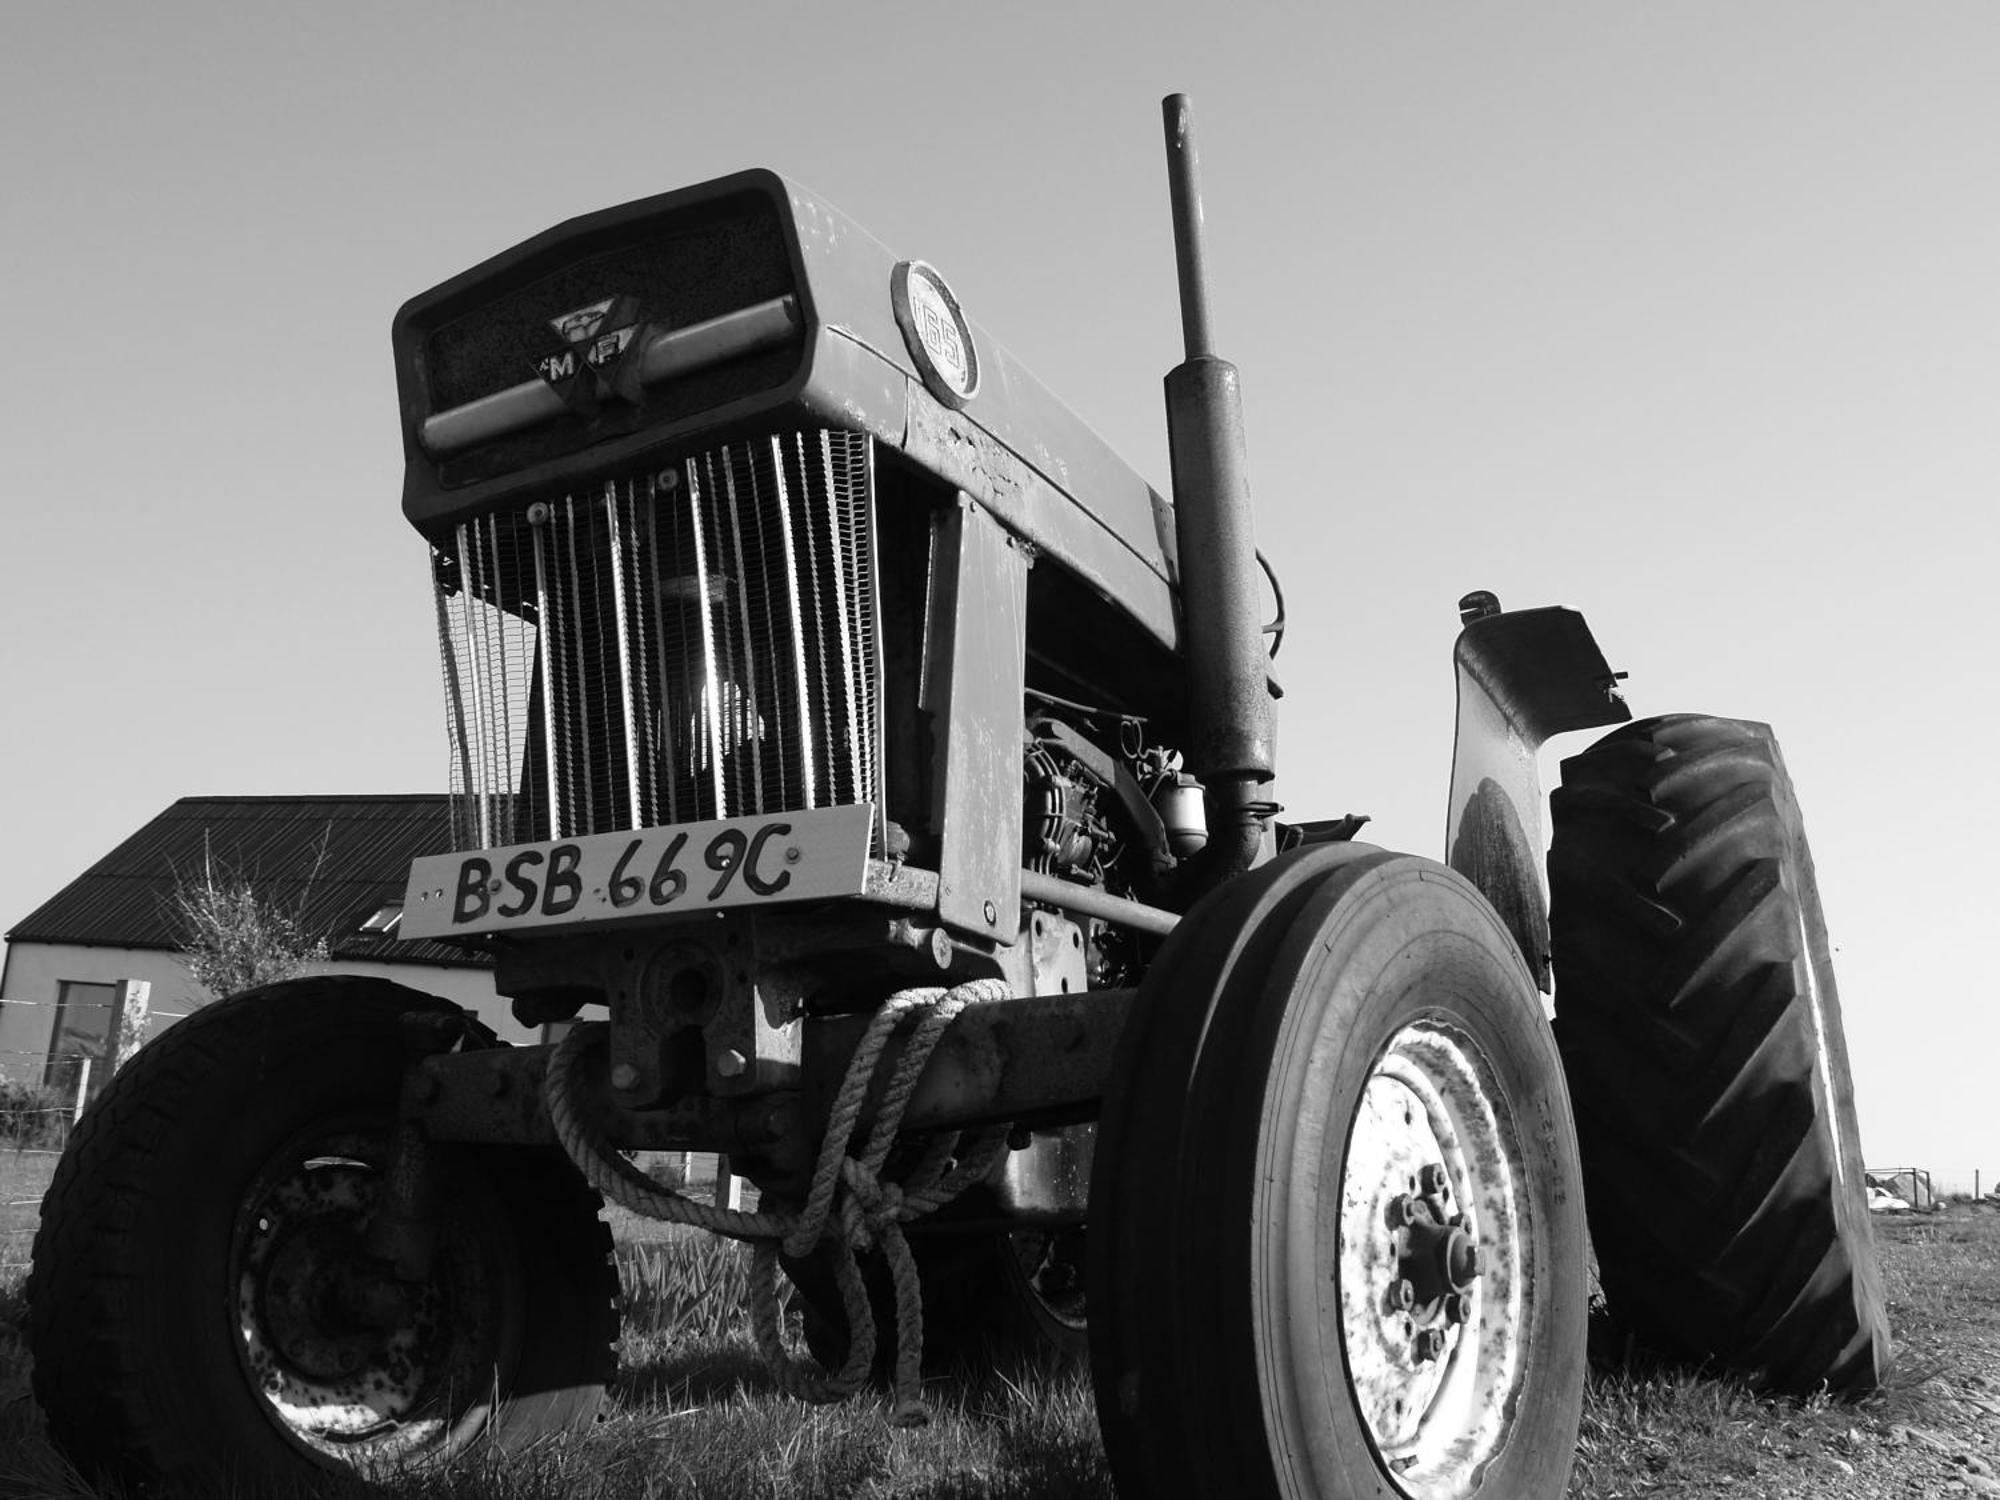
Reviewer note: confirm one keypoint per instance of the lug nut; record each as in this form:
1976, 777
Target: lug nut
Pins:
1457, 1308
1403, 1296
1429, 1344
1432, 1182
1402, 1211
624, 1076
731, 1064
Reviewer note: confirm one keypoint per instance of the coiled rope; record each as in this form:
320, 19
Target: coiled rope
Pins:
848, 1204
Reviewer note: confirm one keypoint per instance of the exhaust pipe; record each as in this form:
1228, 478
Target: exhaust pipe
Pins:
1231, 720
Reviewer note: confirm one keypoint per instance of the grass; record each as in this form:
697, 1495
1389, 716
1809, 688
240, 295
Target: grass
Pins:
694, 1413
1651, 1429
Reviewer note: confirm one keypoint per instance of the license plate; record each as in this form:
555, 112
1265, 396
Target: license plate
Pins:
644, 872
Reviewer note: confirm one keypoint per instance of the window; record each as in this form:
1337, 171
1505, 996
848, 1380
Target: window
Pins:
384, 920
84, 1015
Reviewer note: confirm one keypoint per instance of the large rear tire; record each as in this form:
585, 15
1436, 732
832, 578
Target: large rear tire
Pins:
200, 1311
1700, 1029
1336, 1086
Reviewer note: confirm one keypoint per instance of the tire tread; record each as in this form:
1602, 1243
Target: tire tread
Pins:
1724, 1232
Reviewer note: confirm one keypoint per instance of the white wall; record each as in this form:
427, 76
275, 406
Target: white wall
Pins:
35, 970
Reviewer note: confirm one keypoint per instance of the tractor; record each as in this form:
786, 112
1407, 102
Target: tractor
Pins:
859, 772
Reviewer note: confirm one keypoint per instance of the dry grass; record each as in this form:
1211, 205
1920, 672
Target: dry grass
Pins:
694, 1413
1651, 1430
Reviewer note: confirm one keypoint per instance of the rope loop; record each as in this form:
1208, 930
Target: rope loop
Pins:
848, 1202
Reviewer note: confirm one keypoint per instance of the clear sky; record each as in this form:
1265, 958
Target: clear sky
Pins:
1687, 316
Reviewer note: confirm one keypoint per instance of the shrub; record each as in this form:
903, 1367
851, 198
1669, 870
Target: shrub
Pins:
235, 936
32, 1117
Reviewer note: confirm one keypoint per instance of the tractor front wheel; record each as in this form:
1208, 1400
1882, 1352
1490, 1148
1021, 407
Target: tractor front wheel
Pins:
203, 1312
1336, 1234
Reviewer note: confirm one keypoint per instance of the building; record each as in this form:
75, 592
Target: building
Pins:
107, 943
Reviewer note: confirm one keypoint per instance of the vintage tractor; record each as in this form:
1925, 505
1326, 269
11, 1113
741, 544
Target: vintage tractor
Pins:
862, 773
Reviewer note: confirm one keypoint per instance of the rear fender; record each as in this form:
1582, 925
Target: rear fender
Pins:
1522, 676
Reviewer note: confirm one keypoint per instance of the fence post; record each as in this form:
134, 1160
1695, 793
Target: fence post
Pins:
82, 1087
728, 1186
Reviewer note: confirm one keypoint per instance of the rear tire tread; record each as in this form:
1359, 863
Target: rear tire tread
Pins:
1725, 1230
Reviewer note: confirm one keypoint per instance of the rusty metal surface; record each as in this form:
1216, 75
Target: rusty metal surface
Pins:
1228, 670
1057, 962
1092, 901
495, 1096
1184, 188
1522, 677
1035, 1058
974, 699
1040, 1057
1046, 1180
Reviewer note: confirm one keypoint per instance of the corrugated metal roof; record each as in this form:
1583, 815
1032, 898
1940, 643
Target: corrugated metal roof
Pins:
332, 860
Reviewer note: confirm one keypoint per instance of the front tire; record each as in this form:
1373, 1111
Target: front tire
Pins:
1336, 1086
200, 1311
1700, 1027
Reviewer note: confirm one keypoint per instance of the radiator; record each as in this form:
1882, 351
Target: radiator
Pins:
694, 642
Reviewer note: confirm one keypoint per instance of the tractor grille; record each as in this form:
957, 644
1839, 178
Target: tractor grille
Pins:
696, 642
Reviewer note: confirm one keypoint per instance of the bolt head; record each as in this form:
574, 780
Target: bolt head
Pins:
1429, 1344
991, 912
1403, 1296
624, 1076
1457, 1308
732, 1064
1433, 1182
1402, 1211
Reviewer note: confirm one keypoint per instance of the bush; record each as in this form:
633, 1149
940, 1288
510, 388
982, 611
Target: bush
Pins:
32, 1117
234, 935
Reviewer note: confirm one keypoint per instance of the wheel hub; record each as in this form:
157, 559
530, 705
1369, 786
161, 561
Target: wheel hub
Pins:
1431, 1270
1437, 1261
1437, 1257
346, 1358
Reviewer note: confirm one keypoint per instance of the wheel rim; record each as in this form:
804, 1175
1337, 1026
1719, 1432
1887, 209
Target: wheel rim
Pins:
347, 1362
1049, 1271
1435, 1269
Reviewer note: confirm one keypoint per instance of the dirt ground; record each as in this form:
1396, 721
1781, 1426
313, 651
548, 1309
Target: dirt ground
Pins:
1934, 1429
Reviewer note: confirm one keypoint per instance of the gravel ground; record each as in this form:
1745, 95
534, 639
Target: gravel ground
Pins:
1934, 1430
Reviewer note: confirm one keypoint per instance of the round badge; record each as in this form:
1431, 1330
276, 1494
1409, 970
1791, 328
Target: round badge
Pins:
936, 333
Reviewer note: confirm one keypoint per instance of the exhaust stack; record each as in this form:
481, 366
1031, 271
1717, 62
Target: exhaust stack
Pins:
1232, 725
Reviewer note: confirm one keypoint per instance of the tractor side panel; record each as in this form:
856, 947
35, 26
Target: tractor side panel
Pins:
976, 676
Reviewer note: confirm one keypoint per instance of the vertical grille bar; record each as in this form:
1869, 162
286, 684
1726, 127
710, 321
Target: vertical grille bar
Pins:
616, 539
842, 614
454, 695
702, 641
551, 696
709, 709
802, 728
745, 646
579, 725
